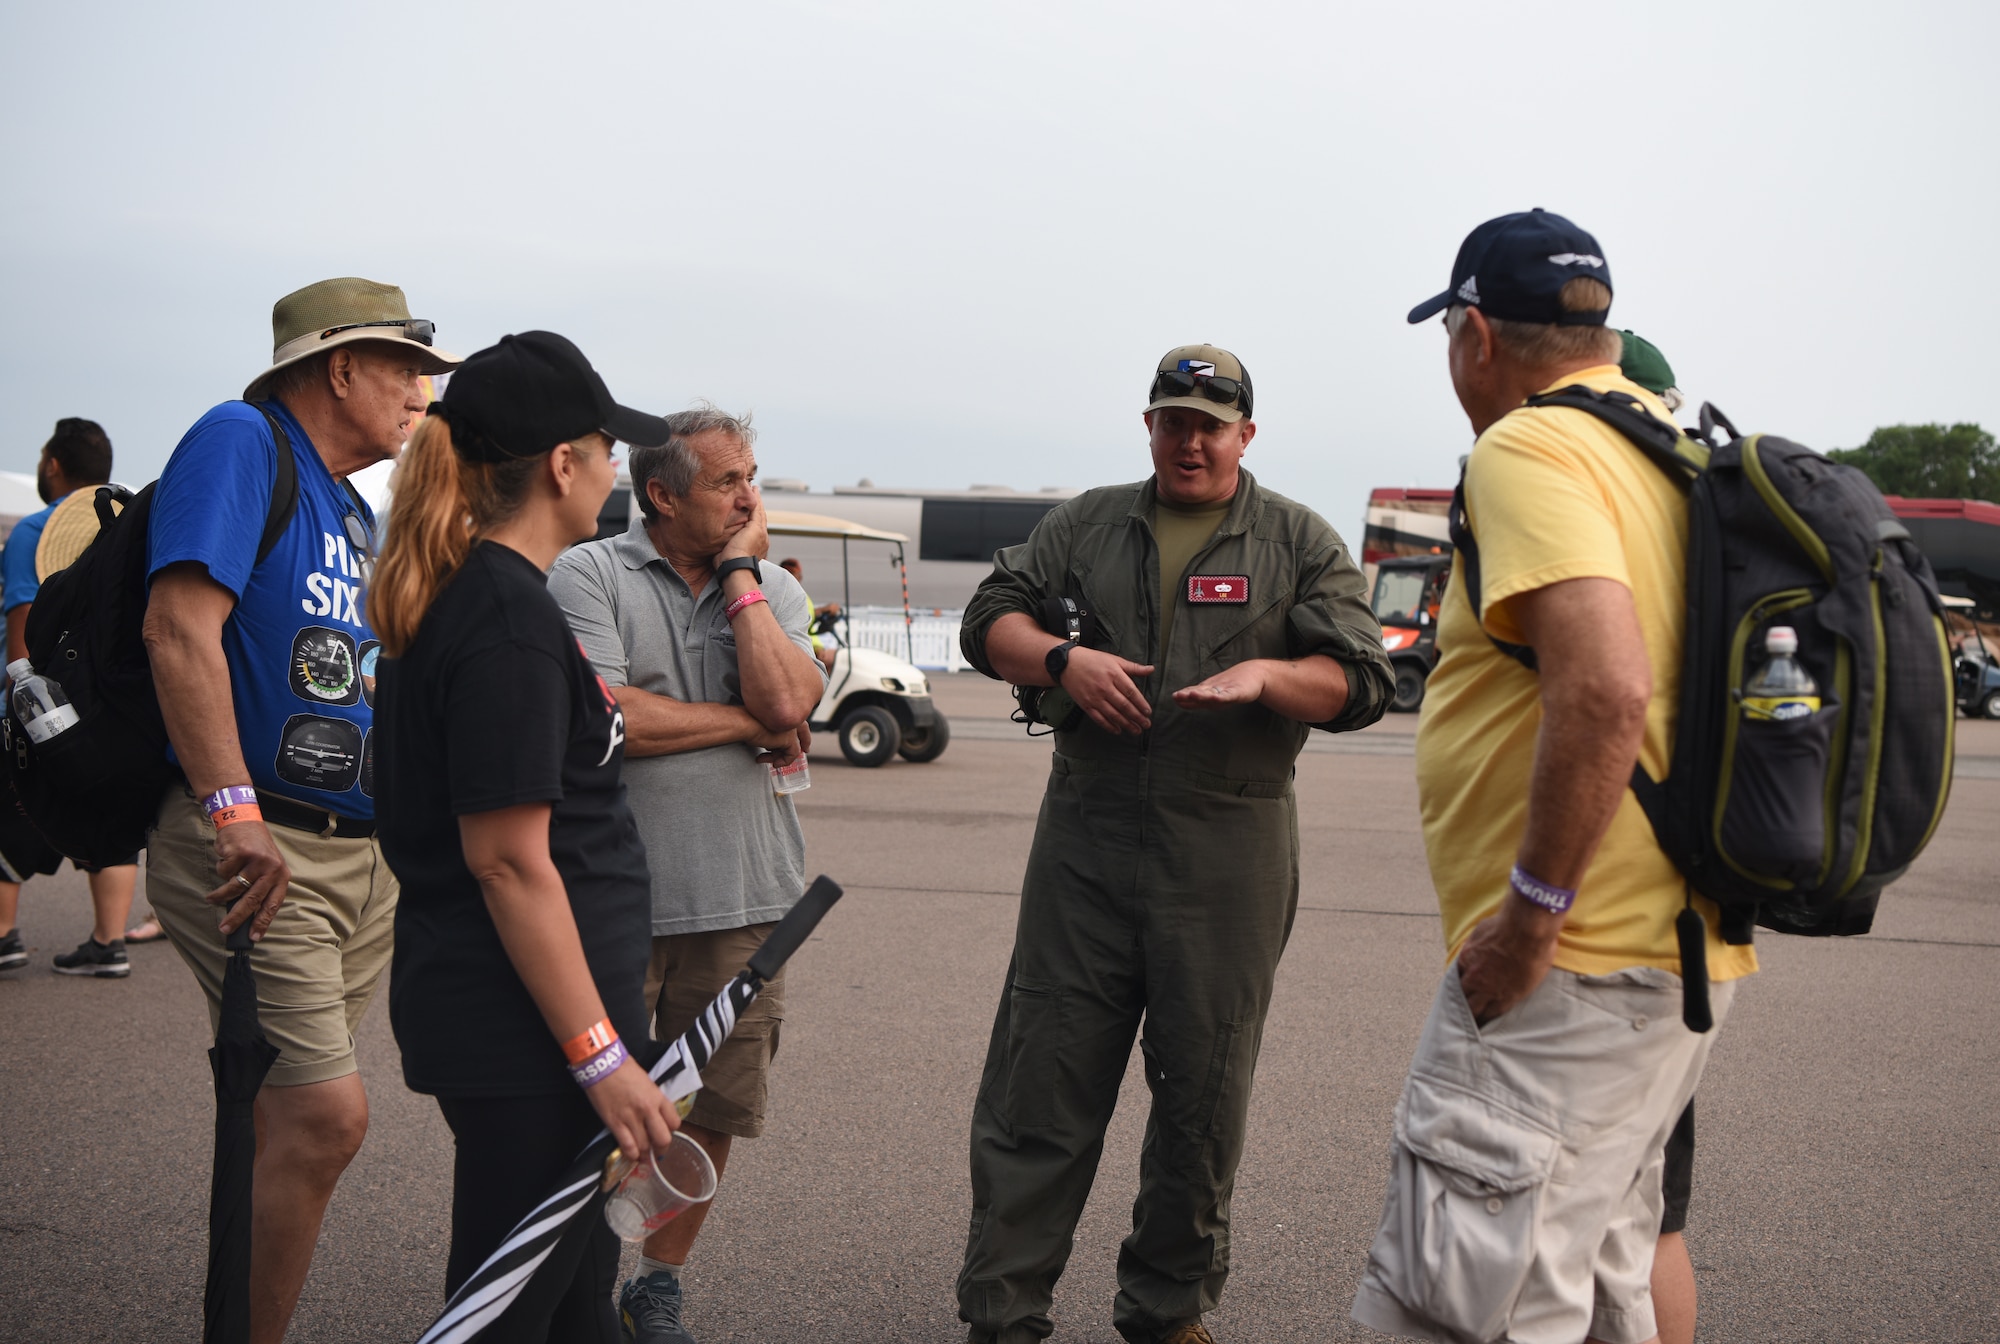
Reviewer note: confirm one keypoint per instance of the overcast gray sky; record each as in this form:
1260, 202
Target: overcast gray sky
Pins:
940, 244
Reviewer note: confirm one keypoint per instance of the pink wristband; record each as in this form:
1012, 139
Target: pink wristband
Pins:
749, 599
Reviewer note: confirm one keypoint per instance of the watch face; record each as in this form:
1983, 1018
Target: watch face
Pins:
325, 666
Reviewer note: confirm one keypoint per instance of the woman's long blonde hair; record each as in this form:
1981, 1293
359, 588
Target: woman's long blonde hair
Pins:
442, 503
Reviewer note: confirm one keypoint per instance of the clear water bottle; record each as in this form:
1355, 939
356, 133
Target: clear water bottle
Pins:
791, 778
39, 703
1781, 689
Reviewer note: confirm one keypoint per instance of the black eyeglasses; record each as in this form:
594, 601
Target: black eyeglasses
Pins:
416, 329
363, 544
1227, 391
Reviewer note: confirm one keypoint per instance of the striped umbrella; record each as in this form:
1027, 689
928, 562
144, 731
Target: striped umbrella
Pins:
481, 1299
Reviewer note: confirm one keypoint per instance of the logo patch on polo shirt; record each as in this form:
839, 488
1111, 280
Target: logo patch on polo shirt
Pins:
1230, 588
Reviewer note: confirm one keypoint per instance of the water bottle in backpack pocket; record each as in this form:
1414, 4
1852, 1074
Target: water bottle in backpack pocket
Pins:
1772, 814
39, 703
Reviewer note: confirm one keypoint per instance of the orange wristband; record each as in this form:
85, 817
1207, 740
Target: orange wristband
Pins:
599, 1037
229, 816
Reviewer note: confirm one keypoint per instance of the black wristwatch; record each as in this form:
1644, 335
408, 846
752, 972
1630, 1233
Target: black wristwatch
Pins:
731, 565
1056, 660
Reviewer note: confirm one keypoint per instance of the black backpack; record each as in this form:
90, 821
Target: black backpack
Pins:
94, 790
1794, 825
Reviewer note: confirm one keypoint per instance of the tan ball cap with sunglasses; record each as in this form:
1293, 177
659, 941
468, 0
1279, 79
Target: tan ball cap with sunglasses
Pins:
1203, 378
336, 312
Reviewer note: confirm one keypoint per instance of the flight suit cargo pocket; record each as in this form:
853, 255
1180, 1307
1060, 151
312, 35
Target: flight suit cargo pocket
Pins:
1460, 1229
1037, 1022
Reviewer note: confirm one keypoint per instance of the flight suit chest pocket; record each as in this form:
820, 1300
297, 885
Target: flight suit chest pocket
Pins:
1227, 635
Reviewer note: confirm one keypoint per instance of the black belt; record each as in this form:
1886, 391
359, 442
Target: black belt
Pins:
298, 817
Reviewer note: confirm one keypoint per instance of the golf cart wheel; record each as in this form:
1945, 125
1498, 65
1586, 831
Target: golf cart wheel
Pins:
1409, 688
926, 744
1989, 708
869, 736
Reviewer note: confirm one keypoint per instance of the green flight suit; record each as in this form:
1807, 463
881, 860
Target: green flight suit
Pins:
1161, 885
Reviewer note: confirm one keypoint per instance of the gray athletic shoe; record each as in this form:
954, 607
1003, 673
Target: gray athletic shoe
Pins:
13, 952
650, 1310
94, 958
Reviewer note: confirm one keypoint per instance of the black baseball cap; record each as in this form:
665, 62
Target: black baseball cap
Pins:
1514, 268
530, 392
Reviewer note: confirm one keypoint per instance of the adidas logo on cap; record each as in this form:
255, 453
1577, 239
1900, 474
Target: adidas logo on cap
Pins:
1469, 291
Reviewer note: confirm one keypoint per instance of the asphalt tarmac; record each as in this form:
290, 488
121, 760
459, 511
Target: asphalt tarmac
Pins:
1848, 1163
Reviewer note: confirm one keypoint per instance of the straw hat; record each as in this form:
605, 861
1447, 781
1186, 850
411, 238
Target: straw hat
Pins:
71, 528
336, 312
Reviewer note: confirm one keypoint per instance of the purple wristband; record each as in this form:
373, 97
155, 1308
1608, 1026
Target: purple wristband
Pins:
599, 1066
232, 796
1556, 900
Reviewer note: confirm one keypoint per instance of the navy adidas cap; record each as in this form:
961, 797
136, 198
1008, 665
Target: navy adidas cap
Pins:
1514, 268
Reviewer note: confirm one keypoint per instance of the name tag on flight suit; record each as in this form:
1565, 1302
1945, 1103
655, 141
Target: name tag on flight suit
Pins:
1229, 588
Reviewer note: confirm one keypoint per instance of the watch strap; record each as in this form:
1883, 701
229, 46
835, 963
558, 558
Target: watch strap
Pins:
734, 563
1056, 661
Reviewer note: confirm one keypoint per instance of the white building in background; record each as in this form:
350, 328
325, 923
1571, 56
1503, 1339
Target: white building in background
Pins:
953, 534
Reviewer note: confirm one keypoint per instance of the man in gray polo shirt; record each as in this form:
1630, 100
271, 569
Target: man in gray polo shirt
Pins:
704, 645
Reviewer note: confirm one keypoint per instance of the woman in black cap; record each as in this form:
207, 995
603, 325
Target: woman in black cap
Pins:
525, 919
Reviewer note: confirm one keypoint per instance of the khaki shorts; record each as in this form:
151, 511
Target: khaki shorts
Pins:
1524, 1189
688, 970
318, 964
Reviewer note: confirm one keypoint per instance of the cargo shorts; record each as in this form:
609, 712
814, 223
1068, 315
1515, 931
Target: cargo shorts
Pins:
687, 971
1524, 1192
318, 964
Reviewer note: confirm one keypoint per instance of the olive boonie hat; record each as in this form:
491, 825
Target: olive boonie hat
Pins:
1203, 378
336, 312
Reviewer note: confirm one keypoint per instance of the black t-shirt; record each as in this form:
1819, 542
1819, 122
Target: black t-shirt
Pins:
494, 705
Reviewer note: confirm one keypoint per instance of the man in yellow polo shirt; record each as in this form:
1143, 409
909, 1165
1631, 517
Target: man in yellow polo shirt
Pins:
1524, 1198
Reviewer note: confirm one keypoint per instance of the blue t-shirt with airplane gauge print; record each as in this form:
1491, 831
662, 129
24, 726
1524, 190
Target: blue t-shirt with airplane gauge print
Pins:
301, 656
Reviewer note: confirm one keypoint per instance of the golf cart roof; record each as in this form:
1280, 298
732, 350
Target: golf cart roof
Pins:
1965, 603
784, 523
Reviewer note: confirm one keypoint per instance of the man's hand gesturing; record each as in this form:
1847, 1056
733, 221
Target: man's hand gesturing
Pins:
1102, 686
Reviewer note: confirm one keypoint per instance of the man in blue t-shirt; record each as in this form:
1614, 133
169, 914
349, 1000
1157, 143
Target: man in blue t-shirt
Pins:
76, 457
265, 672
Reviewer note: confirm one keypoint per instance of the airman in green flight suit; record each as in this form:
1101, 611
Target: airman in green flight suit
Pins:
1229, 622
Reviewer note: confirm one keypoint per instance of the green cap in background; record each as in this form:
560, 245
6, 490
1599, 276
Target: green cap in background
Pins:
1643, 363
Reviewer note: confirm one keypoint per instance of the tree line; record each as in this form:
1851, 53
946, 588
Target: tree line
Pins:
1929, 461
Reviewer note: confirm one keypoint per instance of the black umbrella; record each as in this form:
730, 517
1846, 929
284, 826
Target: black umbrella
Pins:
484, 1297
240, 1058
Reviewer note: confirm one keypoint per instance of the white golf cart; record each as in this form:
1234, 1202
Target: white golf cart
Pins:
876, 704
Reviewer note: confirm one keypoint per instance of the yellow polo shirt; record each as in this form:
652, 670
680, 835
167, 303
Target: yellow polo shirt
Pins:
1555, 494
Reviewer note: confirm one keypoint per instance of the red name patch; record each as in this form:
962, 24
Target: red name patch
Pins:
1232, 588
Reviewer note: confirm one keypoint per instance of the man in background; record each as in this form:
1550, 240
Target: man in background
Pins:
821, 649
76, 458
703, 643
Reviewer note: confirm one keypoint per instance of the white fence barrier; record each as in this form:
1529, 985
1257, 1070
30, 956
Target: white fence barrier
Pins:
934, 638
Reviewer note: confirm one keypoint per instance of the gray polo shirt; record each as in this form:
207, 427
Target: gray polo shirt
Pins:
723, 849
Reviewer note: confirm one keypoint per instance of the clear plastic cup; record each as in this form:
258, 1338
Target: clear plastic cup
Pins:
650, 1194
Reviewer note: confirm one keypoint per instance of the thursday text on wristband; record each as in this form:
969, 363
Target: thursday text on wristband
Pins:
749, 599
227, 806
581, 1047
1554, 899
594, 1070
